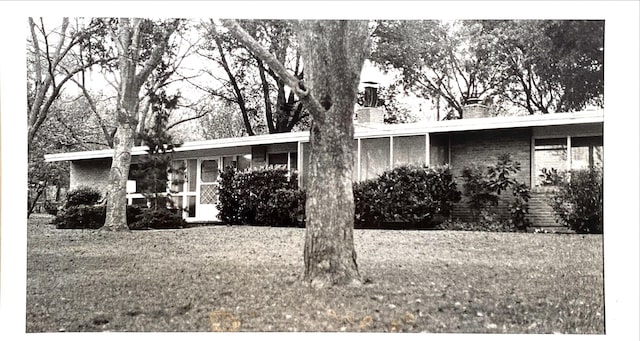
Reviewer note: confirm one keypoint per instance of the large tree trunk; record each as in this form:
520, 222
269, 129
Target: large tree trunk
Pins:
129, 51
333, 53
116, 218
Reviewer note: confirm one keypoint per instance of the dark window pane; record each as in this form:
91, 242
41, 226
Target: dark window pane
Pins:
278, 159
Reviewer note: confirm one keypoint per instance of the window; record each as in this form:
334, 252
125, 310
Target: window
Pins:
279, 159
587, 152
209, 171
244, 162
408, 150
549, 154
374, 157
439, 149
553, 153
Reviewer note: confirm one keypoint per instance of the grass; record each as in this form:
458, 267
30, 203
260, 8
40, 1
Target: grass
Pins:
246, 279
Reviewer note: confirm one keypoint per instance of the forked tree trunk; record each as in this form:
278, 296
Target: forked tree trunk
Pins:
333, 53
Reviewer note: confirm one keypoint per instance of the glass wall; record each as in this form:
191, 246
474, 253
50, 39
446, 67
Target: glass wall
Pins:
587, 152
549, 154
374, 157
439, 149
409, 150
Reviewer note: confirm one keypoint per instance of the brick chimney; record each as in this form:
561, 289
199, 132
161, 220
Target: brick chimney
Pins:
474, 108
370, 112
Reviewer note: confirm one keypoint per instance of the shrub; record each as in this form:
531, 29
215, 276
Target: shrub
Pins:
367, 202
81, 217
227, 193
82, 196
578, 201
247, 197
551, 177
286, 208
51, 207
483, 190
409, 194
157, 219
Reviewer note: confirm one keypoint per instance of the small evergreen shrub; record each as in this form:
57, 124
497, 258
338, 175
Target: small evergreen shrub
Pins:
83, 196
551, 177
81, 211
410, 194
158, 219
81, 217
578, 202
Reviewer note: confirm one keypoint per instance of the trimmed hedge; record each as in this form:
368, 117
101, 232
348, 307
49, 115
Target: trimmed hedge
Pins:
260, 196
416, 196
413, 196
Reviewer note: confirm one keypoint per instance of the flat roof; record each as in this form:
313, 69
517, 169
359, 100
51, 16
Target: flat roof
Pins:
367, 131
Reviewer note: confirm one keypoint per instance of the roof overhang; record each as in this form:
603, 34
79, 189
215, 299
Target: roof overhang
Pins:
367, 131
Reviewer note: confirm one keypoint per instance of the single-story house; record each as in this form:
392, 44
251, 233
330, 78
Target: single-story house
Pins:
563, 141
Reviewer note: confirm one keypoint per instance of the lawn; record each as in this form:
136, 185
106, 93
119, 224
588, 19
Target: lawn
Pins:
245, 278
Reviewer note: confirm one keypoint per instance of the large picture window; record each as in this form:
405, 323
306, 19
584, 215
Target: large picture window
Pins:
374, 157
555, 154
409, 150
587, 152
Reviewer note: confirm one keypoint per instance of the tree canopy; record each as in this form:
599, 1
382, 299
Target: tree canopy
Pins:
540, 66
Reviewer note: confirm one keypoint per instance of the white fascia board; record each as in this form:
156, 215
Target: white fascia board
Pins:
486, 123
367, 131
188, 146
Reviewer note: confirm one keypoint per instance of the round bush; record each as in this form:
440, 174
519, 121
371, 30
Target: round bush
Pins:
410, 194
83, 196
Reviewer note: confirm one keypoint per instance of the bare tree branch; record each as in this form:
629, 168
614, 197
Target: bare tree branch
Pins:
293, 82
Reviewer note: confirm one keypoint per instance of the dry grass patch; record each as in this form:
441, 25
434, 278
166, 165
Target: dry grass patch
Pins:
246, 279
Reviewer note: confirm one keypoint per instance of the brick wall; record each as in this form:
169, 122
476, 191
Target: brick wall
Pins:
91, 173
541, 215
483, 148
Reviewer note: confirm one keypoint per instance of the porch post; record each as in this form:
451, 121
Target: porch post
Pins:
427, 149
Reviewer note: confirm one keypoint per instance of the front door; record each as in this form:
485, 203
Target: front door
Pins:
208, 174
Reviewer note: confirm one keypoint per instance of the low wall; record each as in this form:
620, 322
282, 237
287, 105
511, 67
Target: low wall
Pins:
91, 173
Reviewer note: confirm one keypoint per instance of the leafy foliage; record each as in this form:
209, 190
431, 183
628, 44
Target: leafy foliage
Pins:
82, 196
540, 66
551, 177
81, 217
578, 203
259, 196
414, 195
483, 190
549, 65
440, 61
